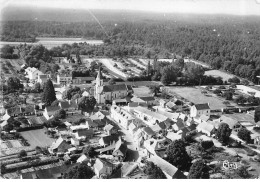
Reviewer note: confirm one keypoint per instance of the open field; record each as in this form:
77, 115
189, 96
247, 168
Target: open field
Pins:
37, 138
142, 91
216, 73
194, 95
52, 42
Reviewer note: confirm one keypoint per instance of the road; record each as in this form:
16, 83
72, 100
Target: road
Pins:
132, 153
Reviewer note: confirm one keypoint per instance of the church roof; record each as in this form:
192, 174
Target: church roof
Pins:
113, 88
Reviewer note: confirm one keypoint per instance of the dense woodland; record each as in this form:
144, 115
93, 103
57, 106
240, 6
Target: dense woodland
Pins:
231, 43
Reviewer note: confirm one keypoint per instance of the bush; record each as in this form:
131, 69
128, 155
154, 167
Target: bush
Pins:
22, 153
207, 144
244, 134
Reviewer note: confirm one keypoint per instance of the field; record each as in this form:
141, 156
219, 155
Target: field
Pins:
37, 138
194, 95
10, 144
216, 73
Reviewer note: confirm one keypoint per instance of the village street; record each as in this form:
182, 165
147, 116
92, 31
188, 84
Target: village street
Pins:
132, 153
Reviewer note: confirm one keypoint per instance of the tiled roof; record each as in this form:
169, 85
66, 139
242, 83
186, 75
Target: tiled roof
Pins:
43, 76
108, 127
203, 117
85, 78
170, 104
85, 132
149, 131
156, 128
37, 120
110, 139
52, 108
162, 125
168, 123
112, 88
165, 166
206, 126
150, 113
65, 104
173, 136
100, 163
202, 106
231, 122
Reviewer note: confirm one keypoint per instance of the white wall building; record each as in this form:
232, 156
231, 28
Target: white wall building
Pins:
200, 109
121, 116
33, 73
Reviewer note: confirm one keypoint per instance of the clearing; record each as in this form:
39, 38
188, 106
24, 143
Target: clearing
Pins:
218, 73
37, 138
194, 95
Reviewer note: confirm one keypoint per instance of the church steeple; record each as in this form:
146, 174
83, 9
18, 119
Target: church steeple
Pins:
99, 79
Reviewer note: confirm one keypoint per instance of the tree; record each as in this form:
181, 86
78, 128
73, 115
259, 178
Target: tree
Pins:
49, 94
14, 83
87, 103
112, 81
244, 134
169, 74
234, 80
240, 99
206, 144
199, 170
153, 171
37, 87
155, 89
60, 114
257, 114
7, 52
80, 171
245, 82
55, 103
242, 172
223, 132
177, 155
228, 95
89, 151
22, 154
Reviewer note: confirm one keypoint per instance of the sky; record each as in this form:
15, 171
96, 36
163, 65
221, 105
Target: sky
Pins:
237, 7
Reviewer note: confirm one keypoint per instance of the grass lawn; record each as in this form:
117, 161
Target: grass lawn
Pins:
142, 91
37, 138
194, 95
216, 73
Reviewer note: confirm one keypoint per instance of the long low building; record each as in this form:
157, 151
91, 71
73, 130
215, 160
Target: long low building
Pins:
149, 117
121, 116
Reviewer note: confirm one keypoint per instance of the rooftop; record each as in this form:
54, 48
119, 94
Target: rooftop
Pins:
155, 115
204, 106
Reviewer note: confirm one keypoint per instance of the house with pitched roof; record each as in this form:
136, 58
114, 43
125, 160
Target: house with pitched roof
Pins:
83, 80
102, 167
32, 73
103, 93
121, 116
233, 124
178, 125
205, 128
120, 150
64, 79
156, 146
199, 109
108, 140
173, 136
132, 127
83, 134
110, 129
59, 146
148, 133
148, 100
170, 171
42, 78
149, 117
50, 111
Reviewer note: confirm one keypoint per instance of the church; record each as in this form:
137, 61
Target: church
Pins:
103, 93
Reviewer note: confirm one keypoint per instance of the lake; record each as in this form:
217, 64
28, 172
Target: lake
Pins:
49, 42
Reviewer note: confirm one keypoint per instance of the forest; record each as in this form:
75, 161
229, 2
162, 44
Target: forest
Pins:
231, 43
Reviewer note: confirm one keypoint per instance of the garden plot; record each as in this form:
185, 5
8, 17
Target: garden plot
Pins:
110, 65
137, 63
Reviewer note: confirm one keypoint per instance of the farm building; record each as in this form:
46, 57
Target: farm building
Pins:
200, 109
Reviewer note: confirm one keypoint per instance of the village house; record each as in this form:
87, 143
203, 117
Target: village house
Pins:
121, 116
162, 103
149, 100
82, 158
74, 141
83, 80
170, 171
110, 129
83, 134
149, 117
120, 150
75, 128
156, 146
59, 146
103, 168
148, 133
173, 136
109, 93
32, 73
200, 109
232, 123
178, 125
42, 78
132, 128
205, 128
64, 79
50, 111
108, 140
